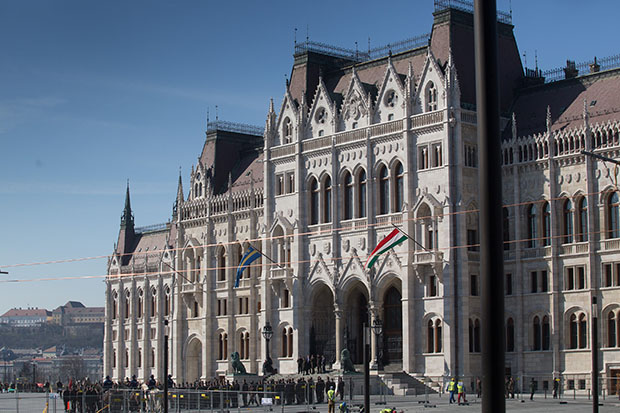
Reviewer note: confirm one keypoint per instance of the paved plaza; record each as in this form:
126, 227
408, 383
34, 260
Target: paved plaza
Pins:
31, 403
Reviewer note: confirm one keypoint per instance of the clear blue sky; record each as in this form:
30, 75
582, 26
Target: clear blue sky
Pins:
93, 93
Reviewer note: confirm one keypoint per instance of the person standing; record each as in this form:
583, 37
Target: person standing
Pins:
340, 388
532, 388
478, 387
511, 387
556, 386
331, 400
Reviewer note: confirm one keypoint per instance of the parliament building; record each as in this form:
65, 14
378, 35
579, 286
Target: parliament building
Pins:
362, 142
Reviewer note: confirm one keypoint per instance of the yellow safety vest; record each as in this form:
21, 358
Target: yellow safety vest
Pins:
331, 394
460, 388
451, 386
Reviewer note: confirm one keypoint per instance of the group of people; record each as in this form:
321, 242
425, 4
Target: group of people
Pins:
311, 364
456, 388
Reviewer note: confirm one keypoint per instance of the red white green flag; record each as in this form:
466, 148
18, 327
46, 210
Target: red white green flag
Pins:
390, 241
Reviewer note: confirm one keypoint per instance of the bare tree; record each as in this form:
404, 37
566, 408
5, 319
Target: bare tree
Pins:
72, 367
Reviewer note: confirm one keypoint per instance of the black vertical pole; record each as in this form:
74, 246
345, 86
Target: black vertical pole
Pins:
165, 366
366, 372
594, 356
490, 184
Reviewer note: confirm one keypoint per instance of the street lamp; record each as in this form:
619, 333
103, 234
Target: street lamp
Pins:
166, 333
267, 334
377, 329
594, 355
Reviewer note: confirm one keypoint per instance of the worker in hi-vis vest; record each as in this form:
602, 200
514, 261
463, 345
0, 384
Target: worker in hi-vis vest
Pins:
331, 397
452, 389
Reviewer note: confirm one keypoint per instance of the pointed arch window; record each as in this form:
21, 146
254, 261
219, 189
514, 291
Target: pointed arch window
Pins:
347, 181
327, 199
431, 97
127, 304
438, 336
361, 193
510, 335
398, 187
613, 216
430, 348
384, 190
611, 329
114, 305
221, 264
536, 341
546, 333
153, 308
583, 331
314, 201
506, 228
167, 302
546, 224
582, 223
568, 217
474, 335
222, 346
140, 306
532, 226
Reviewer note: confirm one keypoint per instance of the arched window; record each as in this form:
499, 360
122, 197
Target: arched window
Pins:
152, 357
573, 331
126, 358
431, 97
536, 341
398, 187
221, 264
223, 347
611, 329
167, 302
327, 199
314, 201
438, 337
290, 342
583, 331
506, 228
361, 193
347, 181
477, 336
582, 223
510, 335
430, 348
532, 227
546, 224
153, 302
568, 222
384, 190
139, 361
114, 305
127, 303
613, 216
284, 343
140, 307
114, 359
546, 333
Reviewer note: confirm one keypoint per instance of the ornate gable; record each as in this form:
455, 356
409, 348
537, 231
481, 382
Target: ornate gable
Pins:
391, 97
356, 106
431, 76
323, 116
288, 120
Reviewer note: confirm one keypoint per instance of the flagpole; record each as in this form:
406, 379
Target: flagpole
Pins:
266, 256
411, 238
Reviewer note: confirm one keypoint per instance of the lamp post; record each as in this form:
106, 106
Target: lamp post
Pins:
377, 328
267, 334
166, 332
594, 355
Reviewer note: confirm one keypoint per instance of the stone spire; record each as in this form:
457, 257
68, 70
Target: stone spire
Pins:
127, 217
180, 189
514, 126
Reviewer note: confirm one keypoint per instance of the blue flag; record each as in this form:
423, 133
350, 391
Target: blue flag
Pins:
249, 257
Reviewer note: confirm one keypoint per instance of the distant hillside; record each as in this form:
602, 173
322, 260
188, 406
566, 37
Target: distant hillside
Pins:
48, 335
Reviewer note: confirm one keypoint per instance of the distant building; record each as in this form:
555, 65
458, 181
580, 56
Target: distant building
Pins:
74, 312
28, 317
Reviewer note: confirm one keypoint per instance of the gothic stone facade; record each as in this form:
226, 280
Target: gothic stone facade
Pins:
356, 148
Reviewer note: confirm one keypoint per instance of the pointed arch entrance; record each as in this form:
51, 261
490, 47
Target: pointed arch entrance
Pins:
356, 315
193, 361
392, 346
323, 323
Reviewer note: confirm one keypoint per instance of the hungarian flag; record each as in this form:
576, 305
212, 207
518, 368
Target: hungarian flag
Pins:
390, 241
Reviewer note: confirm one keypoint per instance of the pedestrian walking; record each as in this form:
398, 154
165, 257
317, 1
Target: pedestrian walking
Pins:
532, 388
451, 389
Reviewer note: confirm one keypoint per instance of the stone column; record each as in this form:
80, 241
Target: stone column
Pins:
374, 314
338, 315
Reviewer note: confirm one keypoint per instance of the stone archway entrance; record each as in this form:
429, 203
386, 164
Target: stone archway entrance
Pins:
323, 324
193, 361
356, 315
392, 346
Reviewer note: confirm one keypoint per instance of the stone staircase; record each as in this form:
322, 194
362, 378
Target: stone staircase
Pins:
402, 384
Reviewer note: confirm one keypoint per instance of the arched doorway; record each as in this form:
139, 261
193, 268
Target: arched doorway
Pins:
323, 324
392, 347
356, 315
193, 361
